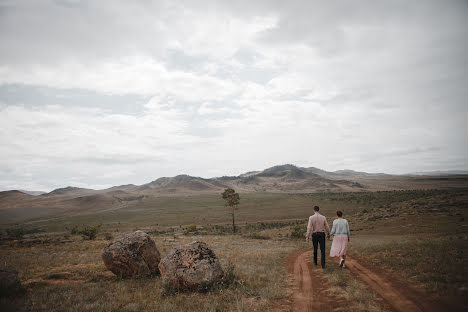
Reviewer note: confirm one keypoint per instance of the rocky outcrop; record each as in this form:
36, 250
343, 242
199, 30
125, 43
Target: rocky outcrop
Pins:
133, 254
190, 267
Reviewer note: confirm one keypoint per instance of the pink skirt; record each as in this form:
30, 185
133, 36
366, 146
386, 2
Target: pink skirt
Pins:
339, 245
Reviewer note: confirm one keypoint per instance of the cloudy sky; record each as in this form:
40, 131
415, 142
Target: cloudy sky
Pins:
101, 93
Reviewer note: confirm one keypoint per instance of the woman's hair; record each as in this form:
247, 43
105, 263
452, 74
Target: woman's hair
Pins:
339, 213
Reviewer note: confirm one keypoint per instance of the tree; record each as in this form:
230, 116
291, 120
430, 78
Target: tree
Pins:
232, 200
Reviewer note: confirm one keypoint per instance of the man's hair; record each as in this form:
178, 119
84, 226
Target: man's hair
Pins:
339, 213
316, 208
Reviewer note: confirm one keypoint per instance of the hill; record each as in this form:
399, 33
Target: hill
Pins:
16, 206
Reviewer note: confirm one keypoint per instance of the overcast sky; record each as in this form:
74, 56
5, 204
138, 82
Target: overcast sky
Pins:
102, 93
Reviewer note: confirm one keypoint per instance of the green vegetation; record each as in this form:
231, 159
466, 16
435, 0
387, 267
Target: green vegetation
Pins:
15, 233
87, 232
439, 263
421, 235
191, 229
158, 213
18, 232
298, 231
232, 200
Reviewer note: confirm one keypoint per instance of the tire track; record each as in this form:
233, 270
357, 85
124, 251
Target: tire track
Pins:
384, 288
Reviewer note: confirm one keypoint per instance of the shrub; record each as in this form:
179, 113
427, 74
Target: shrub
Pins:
74, 230
15, 233
298, 231
190, 229
89, 232
257, 236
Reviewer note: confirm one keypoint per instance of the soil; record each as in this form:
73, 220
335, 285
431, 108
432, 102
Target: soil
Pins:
397, 292
310, 290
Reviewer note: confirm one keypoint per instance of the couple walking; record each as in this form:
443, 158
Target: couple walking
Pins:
318, 227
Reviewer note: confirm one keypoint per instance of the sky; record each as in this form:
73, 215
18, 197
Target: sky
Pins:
102, 93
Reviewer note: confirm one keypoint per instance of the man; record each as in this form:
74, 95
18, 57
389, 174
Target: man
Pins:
318, 226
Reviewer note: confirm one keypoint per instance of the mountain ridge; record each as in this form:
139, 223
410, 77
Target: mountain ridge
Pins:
194, 183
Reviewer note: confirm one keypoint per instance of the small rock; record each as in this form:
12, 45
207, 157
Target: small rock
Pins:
190, 267
133, 254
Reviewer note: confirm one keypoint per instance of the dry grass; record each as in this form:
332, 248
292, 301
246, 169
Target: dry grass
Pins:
343, 284
72, 277
390, 229
436, 262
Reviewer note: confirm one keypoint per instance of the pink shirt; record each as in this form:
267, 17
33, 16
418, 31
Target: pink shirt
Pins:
317, 223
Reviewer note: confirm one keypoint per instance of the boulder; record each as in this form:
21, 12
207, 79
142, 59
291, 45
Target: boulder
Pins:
10, 285
133, 254
190, 267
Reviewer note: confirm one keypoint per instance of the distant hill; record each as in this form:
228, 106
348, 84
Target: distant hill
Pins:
70, 190
13, 195
33, 192
286, 178
17, 206
126, 187
180, 183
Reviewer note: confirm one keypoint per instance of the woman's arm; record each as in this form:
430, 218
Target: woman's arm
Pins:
333, 230
347, 229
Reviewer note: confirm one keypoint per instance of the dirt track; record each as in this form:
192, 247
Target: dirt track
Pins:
309, 288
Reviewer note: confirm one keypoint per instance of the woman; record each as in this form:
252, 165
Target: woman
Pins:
340, 230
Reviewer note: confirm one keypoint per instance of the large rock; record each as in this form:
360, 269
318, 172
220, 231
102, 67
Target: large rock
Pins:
133, 254
190, 267
10, 285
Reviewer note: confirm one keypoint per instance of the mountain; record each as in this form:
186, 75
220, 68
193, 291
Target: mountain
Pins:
17, 206
126, 187
33, 192
71, 190
286, 178
180, 183
348, 172
13, 195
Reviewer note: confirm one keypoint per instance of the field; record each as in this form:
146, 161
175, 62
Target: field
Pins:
418, 236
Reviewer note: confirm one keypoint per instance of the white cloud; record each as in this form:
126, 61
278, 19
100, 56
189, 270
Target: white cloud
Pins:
232, 87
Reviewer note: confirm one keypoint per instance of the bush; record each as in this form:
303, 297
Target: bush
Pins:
88, 232
257, 236
74, 230
298, 231
15, 233
190, 229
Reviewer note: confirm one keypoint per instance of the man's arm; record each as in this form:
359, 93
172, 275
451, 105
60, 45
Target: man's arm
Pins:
310, 228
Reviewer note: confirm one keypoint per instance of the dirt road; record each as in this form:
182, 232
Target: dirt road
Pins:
310, 288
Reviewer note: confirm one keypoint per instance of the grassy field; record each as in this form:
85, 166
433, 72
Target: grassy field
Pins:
420, 235
209, 209
72, 277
